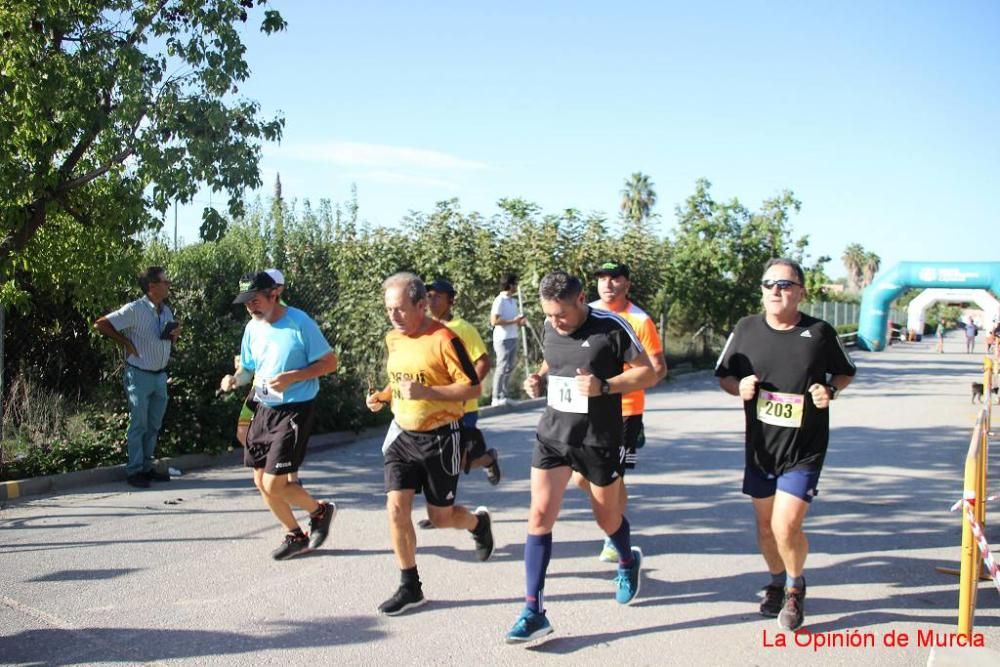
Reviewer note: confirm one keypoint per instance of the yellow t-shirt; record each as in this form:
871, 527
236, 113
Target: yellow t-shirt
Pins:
434, 357
635, 402
474, 345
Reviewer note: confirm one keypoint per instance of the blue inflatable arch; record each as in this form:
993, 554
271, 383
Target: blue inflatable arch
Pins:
890, 284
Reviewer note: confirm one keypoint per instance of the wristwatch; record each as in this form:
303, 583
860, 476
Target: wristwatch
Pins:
833, 391
605, 388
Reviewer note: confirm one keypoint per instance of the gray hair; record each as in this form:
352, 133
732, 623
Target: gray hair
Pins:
559, 286
412, 284
790, 263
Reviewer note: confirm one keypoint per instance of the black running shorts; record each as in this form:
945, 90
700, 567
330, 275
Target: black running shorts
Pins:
635, 438
427, 462
277, 437
599, 465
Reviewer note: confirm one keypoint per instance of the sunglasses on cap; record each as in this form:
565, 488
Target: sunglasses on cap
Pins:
780, 284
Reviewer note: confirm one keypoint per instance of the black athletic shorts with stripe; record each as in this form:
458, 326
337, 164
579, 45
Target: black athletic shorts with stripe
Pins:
598, 465
427, 462
276, 440
635, 438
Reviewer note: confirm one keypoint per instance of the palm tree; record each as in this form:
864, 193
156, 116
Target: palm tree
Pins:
638, 197
854, 259
869, 267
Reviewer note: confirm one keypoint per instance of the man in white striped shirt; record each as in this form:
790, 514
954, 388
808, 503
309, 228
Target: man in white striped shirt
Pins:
147, 330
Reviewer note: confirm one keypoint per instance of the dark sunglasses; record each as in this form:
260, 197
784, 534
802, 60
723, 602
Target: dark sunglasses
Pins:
781, 284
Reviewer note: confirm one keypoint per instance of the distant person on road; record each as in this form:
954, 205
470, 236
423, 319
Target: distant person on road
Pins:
147, 330
284, 353
505, 317
585, 352
786, 366
613, 284
939, 332
430, 379
970, 335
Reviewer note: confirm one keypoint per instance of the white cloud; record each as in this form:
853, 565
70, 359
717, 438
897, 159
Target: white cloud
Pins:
398, 178
347, 153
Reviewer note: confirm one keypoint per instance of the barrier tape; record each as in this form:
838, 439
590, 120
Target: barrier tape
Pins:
977, 532
972, 500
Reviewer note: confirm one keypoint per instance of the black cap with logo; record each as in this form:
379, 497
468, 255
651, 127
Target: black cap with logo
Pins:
254, 282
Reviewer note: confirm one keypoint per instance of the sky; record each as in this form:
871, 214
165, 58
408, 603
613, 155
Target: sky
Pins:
881, 117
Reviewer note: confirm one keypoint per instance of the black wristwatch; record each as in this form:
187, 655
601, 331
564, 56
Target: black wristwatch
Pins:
605, 388
833, 391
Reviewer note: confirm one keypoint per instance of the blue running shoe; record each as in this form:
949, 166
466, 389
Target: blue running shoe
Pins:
608, 553
627, 580
530, 625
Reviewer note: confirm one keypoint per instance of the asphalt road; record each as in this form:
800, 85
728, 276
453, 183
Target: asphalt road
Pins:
180, 573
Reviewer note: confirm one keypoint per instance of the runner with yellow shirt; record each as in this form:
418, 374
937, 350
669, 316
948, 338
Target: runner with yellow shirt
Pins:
430, 378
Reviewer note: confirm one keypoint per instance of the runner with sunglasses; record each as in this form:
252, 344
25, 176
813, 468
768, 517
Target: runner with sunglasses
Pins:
786, 366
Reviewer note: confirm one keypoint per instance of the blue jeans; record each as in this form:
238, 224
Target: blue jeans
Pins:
506, 356
147, 403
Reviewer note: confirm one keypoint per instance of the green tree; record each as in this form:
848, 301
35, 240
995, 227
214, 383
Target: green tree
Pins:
638, 198
110, 110
854, 260
869, 267
718, 255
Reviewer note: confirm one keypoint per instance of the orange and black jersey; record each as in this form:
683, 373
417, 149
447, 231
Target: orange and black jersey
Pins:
434, 357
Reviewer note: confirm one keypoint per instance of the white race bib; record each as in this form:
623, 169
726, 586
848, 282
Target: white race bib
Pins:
264, 394
565, 397
780, 409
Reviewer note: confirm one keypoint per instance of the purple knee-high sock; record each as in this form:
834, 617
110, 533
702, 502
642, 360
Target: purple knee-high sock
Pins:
537, 552
622, 539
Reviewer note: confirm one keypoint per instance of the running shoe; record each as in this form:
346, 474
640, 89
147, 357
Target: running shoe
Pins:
608, 553
493, 474
319, 525
627, 581
773, 600
425, 524
292, 545
483, 534
154, 475
138, 480
404, 598
793, 615
529, 626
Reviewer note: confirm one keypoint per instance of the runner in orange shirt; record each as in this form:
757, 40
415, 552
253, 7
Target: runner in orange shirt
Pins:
613, 283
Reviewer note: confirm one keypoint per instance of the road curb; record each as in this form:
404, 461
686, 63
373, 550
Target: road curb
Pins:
51, 484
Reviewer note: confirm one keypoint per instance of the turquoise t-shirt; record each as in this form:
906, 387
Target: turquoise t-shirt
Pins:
290, 344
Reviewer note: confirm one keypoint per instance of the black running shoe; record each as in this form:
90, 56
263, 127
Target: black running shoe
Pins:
483, 534
138, 480
319, 526
493, 474
404, 598
425, 524
154, 475
793, 614
773, 598
292, 545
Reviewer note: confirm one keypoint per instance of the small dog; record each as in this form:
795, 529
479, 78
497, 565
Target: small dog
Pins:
977, 392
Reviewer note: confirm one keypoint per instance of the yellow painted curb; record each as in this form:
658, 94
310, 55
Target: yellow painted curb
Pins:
13, 490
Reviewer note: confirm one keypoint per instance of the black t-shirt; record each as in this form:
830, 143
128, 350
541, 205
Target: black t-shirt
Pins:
784, 429
602, 345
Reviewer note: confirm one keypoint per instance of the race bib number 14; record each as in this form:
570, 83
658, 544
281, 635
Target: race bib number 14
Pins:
564, 396
780, 409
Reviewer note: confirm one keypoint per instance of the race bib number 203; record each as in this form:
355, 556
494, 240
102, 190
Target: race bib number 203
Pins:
780, 409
